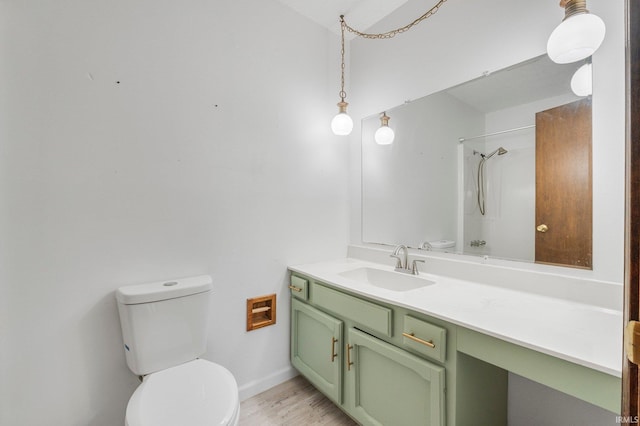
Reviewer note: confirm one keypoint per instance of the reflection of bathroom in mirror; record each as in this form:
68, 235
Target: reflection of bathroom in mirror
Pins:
461, 173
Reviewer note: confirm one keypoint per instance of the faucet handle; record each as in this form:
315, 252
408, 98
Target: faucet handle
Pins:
414, 266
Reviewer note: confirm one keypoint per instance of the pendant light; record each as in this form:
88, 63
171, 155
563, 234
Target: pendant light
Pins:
384, 135
578, 36
582, 81
342, 124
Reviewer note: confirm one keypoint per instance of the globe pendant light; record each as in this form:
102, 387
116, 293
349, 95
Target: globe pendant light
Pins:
582, 81
384, 135
342, 124
578, 36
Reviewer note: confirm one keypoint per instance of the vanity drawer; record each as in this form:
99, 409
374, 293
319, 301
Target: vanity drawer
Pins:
370, 316
424, 338
299, 287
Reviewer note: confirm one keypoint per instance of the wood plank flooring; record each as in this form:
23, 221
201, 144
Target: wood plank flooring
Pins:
292, 403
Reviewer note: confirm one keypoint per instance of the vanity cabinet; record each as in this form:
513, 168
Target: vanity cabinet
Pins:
386, 363
349, 349
385, 385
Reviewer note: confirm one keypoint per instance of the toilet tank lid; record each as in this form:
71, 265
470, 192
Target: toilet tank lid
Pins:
163, 290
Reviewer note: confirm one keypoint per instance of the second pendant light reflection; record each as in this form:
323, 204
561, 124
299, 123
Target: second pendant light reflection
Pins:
384, 135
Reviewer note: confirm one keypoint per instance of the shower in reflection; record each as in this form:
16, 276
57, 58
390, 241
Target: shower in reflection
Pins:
480, 180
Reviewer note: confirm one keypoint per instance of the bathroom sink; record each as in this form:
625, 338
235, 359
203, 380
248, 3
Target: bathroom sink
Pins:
389, 280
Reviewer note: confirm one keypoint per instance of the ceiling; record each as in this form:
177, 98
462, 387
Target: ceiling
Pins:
360, 14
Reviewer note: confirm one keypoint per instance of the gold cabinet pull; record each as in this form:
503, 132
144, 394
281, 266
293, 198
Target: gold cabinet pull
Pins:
349, 363
333, 348
542, 228
294, 288
419, 340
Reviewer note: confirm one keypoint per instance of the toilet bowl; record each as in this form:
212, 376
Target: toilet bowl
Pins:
197, 393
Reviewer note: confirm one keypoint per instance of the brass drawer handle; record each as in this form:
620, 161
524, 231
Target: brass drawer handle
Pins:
542, 228
333, 348
417, 339
349, 363
294, 288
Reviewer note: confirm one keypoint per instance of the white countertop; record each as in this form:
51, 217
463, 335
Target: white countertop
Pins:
580, 333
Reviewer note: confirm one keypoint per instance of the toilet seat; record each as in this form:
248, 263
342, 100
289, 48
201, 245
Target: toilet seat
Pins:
197, 393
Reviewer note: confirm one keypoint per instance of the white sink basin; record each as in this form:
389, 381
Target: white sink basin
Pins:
389, 280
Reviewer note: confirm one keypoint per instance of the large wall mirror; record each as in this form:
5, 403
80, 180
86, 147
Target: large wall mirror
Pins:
499, 166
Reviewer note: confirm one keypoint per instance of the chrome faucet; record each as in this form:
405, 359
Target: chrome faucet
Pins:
402, 262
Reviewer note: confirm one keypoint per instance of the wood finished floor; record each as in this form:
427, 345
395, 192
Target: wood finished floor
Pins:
292, 403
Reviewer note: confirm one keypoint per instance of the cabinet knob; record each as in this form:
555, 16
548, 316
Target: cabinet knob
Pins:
542, 228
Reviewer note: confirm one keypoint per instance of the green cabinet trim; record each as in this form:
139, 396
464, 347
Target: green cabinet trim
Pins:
389, 386
314, 335
370, 316
590, 385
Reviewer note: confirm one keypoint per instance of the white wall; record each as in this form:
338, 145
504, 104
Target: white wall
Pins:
459, 43
147, 140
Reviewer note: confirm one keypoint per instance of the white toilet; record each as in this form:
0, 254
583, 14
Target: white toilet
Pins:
164, 328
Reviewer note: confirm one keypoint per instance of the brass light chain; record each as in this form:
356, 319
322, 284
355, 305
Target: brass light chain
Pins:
391, 33
343, 26
342, 93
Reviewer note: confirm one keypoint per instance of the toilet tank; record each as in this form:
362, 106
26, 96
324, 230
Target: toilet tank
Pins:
164, 323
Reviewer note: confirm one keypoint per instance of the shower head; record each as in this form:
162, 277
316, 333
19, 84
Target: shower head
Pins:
499, 151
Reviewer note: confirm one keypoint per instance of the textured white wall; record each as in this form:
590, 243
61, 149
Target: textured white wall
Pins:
147, 140
459, 43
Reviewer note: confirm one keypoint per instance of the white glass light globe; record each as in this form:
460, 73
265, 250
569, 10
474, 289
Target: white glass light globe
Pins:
576, 38
342, 124
384, 135
582, 81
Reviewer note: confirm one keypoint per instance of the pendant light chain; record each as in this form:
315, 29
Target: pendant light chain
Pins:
342, 124
391, 33
343, 25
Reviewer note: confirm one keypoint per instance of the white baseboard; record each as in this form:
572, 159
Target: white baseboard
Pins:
255, 387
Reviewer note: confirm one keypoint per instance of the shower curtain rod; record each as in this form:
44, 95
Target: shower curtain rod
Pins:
496, 133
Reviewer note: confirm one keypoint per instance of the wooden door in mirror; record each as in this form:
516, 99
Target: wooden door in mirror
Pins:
563, 185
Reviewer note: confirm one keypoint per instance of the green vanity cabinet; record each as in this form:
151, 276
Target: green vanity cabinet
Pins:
389, 386
387, 365
352, 350
316, 348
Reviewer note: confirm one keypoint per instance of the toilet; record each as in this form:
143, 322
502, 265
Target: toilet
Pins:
164, 330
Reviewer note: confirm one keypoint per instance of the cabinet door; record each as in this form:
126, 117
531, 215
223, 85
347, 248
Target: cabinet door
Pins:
316, 348
389, 386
